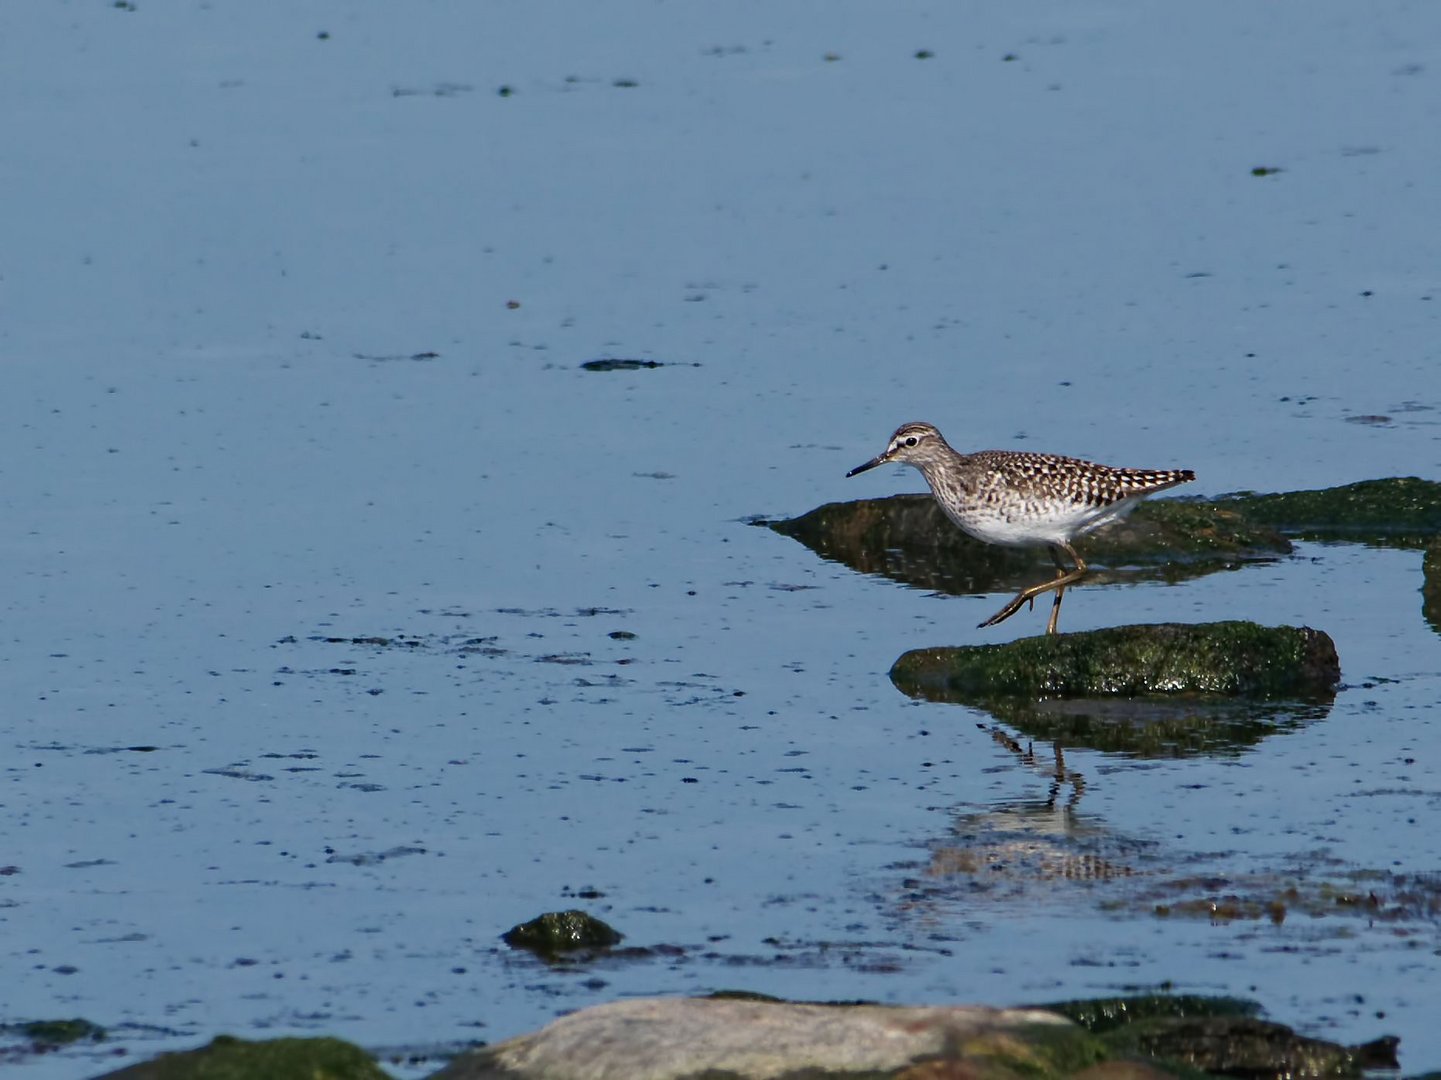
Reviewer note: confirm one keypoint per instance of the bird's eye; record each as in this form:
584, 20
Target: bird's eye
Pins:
911, 440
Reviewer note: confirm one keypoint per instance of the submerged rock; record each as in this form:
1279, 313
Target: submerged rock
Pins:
1400, 511
1239, 659
909, 539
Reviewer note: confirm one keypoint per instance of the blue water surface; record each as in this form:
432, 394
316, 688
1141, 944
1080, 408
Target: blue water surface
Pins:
295, 302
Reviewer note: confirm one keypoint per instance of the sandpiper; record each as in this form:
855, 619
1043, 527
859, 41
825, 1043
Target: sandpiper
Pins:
1021, 500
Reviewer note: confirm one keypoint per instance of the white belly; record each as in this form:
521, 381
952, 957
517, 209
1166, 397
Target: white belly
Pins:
1054, 526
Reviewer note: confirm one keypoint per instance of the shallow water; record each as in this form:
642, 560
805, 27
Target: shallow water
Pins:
264, 389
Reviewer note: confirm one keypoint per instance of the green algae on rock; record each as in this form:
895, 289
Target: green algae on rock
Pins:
228, 1058
1238, 659
1400, 511
1218, 1036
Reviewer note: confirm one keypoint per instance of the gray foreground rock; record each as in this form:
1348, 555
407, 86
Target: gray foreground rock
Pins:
676, 1039
1149, 1037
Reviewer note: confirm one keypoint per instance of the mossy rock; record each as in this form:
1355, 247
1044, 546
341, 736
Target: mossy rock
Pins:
909, 539
1401, 511
558, 932
228, 1058
1233, 659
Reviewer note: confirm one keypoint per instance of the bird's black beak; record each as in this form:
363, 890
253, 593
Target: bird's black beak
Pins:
879, 459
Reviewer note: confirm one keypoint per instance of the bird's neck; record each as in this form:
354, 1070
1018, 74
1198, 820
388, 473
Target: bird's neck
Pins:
949, 474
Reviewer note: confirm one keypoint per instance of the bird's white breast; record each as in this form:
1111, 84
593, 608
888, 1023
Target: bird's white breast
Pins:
1036, 526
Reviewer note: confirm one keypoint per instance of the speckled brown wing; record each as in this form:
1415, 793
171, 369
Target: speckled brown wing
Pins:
1050, 477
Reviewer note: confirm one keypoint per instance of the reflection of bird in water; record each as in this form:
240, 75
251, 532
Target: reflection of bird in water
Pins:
1024, 500
1059, 775
1033, 840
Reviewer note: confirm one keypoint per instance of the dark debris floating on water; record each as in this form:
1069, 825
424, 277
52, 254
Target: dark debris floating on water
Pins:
617, 363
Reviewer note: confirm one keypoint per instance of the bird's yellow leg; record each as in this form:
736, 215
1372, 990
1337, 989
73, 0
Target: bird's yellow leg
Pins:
1063, 578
